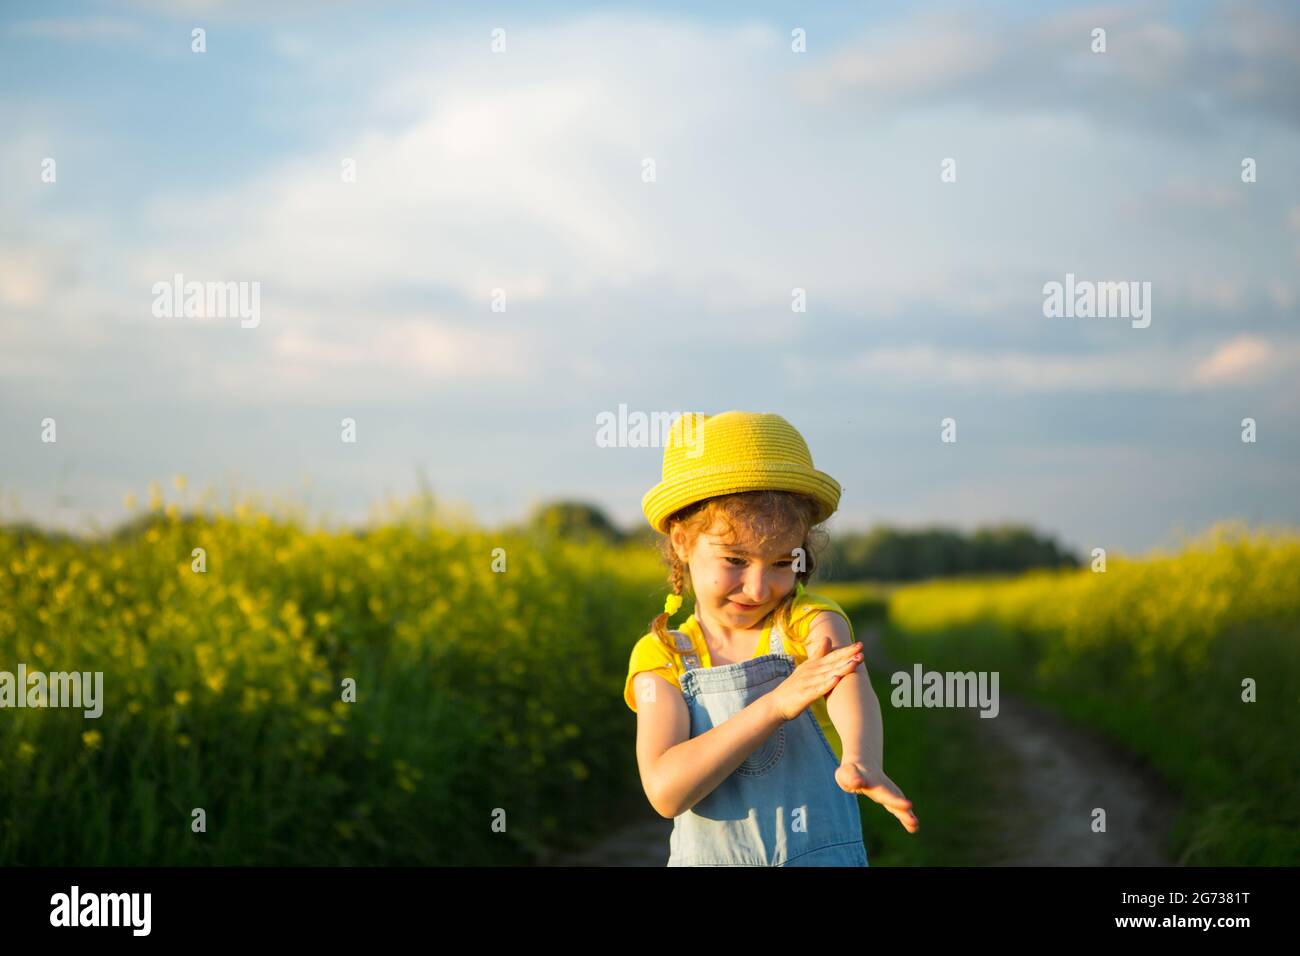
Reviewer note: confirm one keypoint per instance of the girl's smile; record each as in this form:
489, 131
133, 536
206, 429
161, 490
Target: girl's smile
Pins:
735, 586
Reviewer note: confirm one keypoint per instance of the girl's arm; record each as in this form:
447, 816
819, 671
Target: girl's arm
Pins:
855, 711
677, 770
852, 705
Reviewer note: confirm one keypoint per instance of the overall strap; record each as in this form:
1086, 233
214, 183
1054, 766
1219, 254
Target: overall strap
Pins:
685, 650
776, 642
691, 660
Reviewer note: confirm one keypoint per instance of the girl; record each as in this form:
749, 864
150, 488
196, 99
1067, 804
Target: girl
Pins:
729, 742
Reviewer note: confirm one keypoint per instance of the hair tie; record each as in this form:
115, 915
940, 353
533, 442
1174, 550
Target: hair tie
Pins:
672, 604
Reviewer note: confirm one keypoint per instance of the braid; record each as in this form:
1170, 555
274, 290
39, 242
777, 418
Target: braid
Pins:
677, 578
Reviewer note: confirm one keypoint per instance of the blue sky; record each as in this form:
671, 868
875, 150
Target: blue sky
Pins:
522, 170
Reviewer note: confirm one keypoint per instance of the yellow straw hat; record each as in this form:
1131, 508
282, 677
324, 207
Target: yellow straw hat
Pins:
710, 455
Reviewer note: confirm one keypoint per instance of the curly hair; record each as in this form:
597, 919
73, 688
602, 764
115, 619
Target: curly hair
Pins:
759, 516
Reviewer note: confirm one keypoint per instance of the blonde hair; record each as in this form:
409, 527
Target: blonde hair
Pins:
761, 516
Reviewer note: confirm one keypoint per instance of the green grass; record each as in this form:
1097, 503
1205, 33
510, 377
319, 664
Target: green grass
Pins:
1153, 656
934, 758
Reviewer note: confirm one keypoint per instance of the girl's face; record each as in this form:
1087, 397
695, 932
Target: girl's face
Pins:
733, 584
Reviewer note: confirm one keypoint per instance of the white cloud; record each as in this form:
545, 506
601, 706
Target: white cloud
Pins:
1246, 358
1153, 74
921, 56
1199, 193
522, 172
24, 278
76, 28
1282, 295
245, 10
418, 344
1206, 292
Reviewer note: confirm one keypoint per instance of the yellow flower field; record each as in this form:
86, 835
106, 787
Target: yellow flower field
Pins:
475, 691
1162, 655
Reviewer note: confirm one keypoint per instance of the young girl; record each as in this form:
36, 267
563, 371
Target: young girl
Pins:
730, 708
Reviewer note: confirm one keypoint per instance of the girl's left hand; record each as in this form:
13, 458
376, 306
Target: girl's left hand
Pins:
856, 777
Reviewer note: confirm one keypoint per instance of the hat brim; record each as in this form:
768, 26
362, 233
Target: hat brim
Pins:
665, 498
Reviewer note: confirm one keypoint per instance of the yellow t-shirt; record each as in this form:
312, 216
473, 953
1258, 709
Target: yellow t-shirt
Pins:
650, 655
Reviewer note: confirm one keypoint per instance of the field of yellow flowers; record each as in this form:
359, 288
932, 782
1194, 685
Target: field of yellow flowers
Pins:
488, 703
488, 724
1161, 655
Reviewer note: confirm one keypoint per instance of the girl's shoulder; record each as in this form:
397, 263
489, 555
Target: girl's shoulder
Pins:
649, 648
805, 610
649, 651
649, 654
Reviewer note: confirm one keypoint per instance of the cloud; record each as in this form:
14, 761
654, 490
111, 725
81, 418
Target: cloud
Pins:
1172, 369
1209, 292
522, 172
1243, 58
24, 278
1282, 295
1186, 191
418, 344
1246, 358
930, 54
76, 28
244, 10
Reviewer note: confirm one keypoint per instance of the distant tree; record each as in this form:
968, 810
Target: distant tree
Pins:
642, 536
574, 520
891, 554
27, 531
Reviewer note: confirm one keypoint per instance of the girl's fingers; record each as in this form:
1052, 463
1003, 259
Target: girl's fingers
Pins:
830, 676
899, 797
833, 661
833, 664
849, 666
889, 796
836, 673
890, 800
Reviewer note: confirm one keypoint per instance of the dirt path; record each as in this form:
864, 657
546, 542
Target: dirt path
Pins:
641, 840
1064, 773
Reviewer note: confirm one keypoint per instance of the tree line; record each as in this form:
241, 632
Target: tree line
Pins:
881, 553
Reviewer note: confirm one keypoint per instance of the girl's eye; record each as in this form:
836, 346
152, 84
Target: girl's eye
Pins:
781, 564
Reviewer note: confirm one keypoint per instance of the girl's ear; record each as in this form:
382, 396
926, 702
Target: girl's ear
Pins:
678, 545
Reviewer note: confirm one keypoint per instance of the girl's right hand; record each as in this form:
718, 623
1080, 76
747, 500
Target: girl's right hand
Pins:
814, 678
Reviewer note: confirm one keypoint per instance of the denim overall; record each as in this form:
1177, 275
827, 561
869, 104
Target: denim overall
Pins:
782, 806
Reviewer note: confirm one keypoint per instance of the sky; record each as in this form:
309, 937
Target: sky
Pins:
643, 187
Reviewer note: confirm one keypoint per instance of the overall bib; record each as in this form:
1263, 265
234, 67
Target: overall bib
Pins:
782, 806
